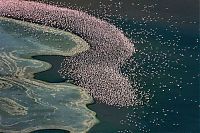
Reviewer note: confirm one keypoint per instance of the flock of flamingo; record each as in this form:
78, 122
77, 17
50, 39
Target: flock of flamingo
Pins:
97, 70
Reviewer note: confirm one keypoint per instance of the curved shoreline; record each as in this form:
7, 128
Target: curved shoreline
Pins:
87, 27
21, 77
81, 45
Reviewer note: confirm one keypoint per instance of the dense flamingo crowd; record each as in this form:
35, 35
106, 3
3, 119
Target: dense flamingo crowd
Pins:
98, 69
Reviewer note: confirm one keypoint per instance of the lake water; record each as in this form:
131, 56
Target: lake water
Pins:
173, 84
166, 65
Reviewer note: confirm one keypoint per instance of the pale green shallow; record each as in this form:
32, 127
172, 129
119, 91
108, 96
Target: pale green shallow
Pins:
28, 104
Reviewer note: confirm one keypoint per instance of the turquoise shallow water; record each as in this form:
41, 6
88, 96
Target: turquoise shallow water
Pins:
28, 104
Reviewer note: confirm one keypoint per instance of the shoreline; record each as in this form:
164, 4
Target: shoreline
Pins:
27, 79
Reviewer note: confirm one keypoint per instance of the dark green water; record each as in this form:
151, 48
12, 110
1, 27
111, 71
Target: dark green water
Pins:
167, 64
170, 72
172, 109
50, 75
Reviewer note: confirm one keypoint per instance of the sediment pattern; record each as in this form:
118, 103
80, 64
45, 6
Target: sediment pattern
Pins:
27, 104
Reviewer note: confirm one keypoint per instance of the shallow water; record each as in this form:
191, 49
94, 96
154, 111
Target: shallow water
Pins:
28, 104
